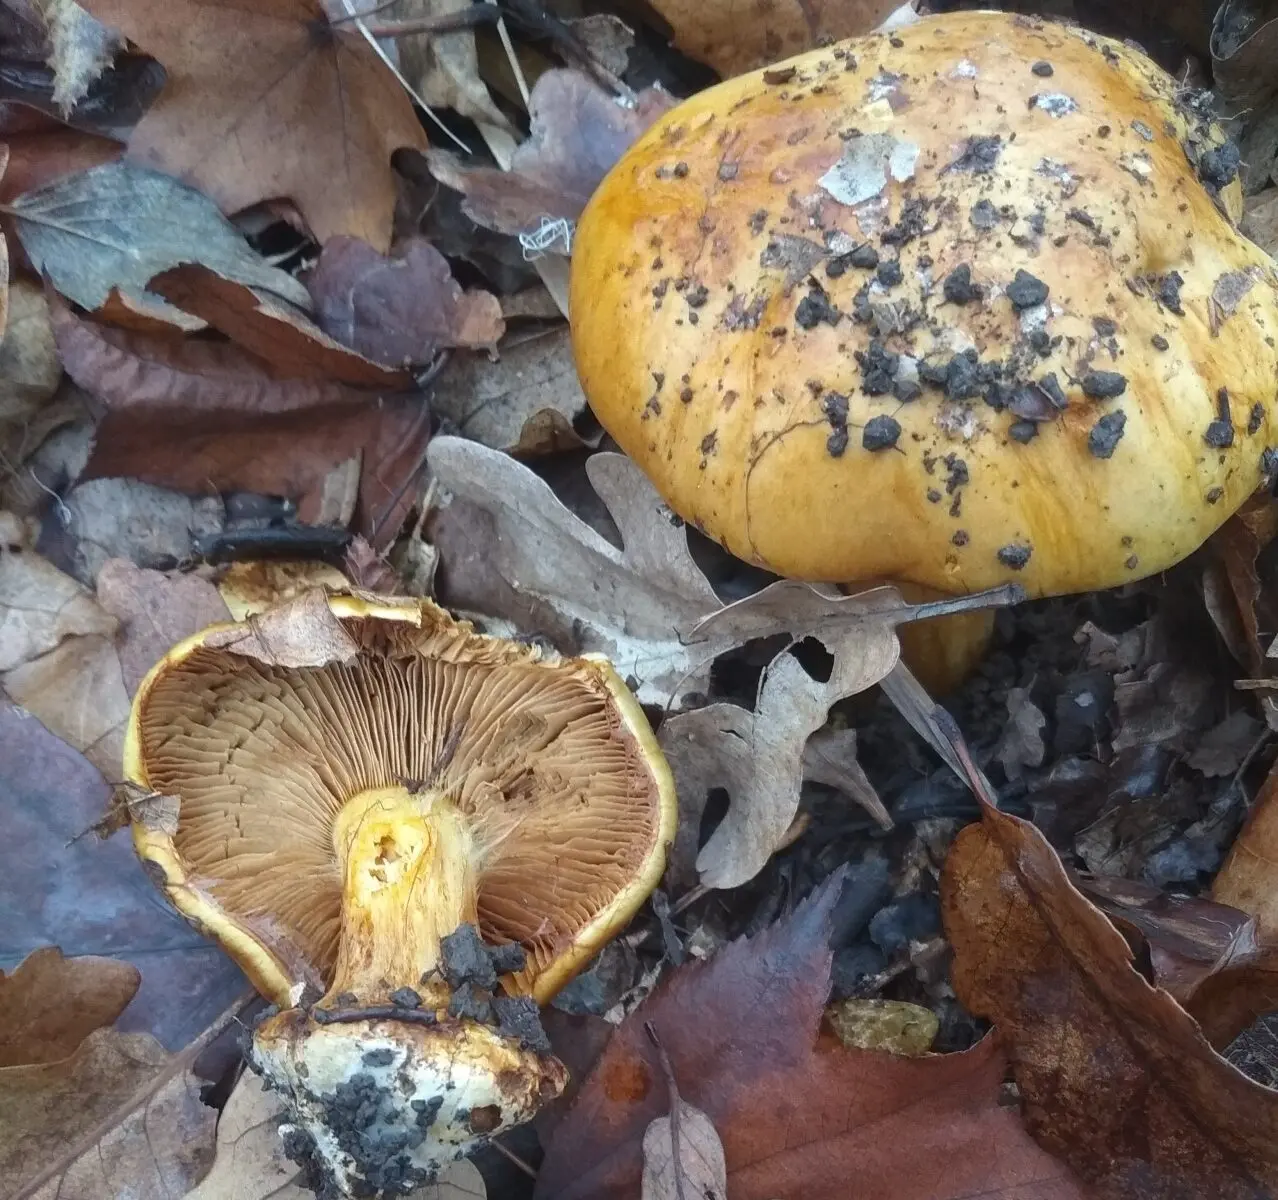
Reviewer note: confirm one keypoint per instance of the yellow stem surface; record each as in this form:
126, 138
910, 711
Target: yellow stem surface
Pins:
409, 879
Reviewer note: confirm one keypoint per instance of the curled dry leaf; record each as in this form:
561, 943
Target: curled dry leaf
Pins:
399, 310
298, 632
798, 1114
444, 67
200, 417
29, 366
733, 40
291, 344
251, 1163
510, 549
578, 132
526, 401
265, 102
115, 226
1116, 1078
695, 1169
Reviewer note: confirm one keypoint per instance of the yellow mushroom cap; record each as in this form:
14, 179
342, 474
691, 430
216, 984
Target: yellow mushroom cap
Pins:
549, 760
934, 419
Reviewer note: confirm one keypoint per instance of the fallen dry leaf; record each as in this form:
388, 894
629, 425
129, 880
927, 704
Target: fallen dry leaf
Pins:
251, 1163
734, 39
510, 549
254, 586
1021, 745
696, 1169
119, 1116
399, 310
290, 343
80, 49
444, 67
298, 632
271, 102
1244, 48
64, 887
1115, 1077
203, 417
29, 365
36, 159
799, 1115
90, 992
578, 132
896, 1026
155, 611
115, 226
524, 402
1231, 583
1248, 878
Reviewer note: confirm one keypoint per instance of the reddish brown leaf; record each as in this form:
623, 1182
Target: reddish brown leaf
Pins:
799, 1115
268, 100
286, 340
125, 369
578, 132
1248, 880
39, 158
399, 310
1235, 546
1115, 1077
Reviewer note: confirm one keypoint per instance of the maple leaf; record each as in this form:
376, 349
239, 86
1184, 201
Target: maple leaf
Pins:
799, 1115
269, 100
1116, 1078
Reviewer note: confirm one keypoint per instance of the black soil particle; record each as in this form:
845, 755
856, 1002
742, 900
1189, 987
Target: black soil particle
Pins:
889, 273
880, 433
426, 1110
980, 155
519, 1017
1103, 385
464, 959
865, 257
1026, 290
1042, 69
878, 369
1014, 555
383, 1056
470, 1001
1159, 342
984, 215
697, 295
837, 442
958, 286
508, 957
1219, 167
835, 407
1050, 386
956, 473
1106, 434
373, 1138
1256, 419
906, 390
934, 372
1219, 435
1031, 403
1023, 431
910, 224
962, 378
815, 308
1104, 327
1168, 291
406, 997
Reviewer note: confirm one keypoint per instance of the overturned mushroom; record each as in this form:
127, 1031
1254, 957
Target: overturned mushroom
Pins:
360, 790
956, 323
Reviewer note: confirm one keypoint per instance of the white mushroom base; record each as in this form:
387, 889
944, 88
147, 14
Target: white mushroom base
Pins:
382, 1105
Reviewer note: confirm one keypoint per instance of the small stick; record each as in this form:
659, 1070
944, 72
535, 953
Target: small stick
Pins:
514, 1158
668, 1071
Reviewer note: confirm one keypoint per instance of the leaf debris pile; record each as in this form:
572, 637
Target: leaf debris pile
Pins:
283, 307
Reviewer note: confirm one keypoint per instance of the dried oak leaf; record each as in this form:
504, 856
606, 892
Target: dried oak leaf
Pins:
526, 401
251, 1163
52, 1003
399, 309
734, 38
1116, 1078
202, 416
444, 67
510, 549
269, 100
292, 344
80, 49
114, 226
37, 159
578, 132
799, 1115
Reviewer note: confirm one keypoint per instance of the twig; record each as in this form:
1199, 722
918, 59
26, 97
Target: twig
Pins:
668, 1071
463, 18
504, 34
514, 1158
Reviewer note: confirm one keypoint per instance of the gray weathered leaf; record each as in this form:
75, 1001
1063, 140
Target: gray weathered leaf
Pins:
117, 225
637, 605
80, 49
700, 1166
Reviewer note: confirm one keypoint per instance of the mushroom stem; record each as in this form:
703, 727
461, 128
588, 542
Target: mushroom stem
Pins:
408, 866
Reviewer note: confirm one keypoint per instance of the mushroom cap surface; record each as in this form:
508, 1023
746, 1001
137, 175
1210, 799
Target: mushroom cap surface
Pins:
958, 305
550, 759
